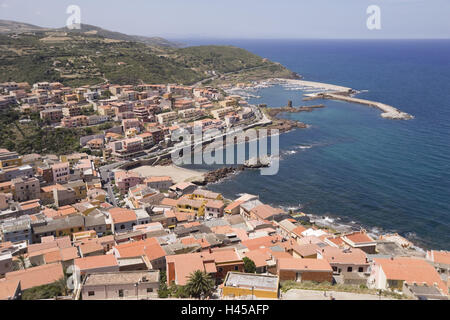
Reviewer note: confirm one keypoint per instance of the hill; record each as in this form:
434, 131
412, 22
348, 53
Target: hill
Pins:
91, 56
8, 27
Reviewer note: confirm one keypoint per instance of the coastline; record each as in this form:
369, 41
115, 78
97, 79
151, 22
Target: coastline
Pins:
320, 90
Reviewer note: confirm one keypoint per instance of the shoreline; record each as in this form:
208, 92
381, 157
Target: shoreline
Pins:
331, 92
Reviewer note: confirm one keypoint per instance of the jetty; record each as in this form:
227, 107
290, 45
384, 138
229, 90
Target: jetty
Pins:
389, 112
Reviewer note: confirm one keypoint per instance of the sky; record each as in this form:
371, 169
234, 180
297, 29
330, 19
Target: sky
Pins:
256, 19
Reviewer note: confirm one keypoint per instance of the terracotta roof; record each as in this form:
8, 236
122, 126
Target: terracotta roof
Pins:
265, 211
8, 288
257, 243
411, 270
135, 248
121, 215
234, 205
154, 251
298, 230
304, 264
37, 276
158, 179
359, 237
90, 247
169, 202
336, 255
441, 257
94, 262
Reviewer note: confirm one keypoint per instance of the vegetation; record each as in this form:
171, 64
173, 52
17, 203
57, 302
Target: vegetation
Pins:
46, 291
200, 284
35, 136
249, 265
163, 291
326, 286
76, 59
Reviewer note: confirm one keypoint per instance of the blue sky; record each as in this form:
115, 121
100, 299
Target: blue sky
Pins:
244, 18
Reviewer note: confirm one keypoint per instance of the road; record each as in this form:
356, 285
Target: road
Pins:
297, 294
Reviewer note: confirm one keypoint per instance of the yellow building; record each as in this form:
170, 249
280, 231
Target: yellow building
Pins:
201, 194
261, 286
192, 206
9, 159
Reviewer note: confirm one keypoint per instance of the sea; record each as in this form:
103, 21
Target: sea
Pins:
351, 165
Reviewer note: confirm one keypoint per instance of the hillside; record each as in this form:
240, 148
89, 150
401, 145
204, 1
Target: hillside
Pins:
78, 58
8, 27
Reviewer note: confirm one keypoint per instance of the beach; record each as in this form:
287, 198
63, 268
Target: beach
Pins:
177, 174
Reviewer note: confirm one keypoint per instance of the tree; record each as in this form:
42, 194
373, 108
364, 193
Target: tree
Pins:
249, 265
199, 284
22, 261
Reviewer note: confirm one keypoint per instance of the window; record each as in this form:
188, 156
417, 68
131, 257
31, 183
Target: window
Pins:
91, 293
121, 293
220, 269
149, 290
360, 269
122, 226
236, 268
335, 269
349, 269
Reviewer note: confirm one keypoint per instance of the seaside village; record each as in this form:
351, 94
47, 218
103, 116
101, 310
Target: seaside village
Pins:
118, 234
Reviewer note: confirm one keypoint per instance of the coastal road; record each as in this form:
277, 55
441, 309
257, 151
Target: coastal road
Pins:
297, 294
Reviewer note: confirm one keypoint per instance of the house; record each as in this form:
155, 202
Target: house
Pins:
346, 260
361, 240
233, 208
394, 273
37, 276
217, 263
191, 206
61, 172
10, 290
126, 179
122, 219
59, 227
214, 208
182, 188
296, 269
440, 260
96, 264
200, 194
238, 284
90, 247
124, 285
159, 183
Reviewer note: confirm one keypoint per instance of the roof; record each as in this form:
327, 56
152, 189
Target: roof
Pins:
135, 248
94, 262
411, 270
336, 255
265, 211
257, 243
441, 257
158, 179
215, 204
169, 202
358, 237
123, 277
233, 205
304, 264
121, 215
154, 251
298, 230
251, 280
37, 276
90, 247
8, 288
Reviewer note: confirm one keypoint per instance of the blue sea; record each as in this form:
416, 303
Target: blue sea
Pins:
351, 164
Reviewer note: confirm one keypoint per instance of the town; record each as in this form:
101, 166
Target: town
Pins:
91, 225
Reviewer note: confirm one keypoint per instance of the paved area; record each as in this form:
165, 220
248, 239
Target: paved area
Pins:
297, 294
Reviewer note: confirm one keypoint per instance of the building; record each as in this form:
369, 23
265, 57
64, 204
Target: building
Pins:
125, 285
58, 227
265, 212
25, 189
167, 117
61, 172
9, 159
125, 180
394, 273
238, 284
216, 263
159, 183
37, 276
362, 241
96, 264
51, 115
10, 290
122, 219
347, 260
296, 269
